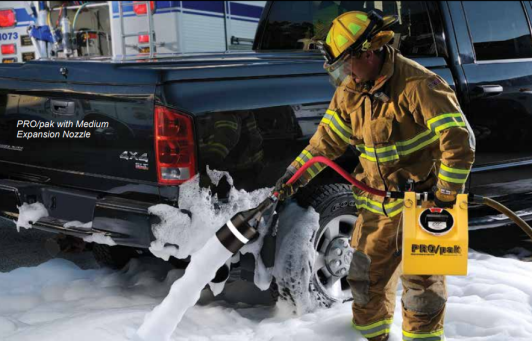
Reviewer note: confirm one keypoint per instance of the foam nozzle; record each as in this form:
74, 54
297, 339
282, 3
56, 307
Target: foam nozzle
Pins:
241, 228
236, 233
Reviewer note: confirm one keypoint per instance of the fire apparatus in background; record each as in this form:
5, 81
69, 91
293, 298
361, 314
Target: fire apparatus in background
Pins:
15, 43
54, 29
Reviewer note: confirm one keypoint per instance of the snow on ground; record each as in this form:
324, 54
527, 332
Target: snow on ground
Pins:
57, 301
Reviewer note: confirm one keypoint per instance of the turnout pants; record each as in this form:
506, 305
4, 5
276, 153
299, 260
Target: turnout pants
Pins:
373, 277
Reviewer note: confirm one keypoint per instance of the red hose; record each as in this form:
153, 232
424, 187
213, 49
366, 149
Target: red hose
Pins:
339, 170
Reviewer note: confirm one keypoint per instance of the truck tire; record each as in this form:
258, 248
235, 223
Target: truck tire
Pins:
328, 284
114, 257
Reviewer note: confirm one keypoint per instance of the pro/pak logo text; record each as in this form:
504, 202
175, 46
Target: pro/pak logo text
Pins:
423, 249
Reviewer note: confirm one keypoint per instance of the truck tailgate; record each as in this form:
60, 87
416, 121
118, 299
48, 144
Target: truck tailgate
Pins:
77, 124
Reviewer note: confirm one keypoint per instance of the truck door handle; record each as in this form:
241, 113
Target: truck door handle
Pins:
480, 91
62, 108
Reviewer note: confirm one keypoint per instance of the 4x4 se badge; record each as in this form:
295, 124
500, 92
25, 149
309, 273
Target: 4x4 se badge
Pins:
142, 160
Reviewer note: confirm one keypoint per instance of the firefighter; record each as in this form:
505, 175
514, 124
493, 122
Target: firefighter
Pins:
233, 143
407, 126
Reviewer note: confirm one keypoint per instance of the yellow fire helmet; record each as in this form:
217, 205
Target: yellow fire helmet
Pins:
351, 33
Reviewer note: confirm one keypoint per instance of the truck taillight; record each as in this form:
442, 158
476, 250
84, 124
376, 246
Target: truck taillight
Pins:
174, 146
140, 7
8, 18
9, 49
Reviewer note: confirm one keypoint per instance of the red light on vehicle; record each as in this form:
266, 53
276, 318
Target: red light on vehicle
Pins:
7, 18
144, 39
174, 146
9, 49
140, 8
93, 36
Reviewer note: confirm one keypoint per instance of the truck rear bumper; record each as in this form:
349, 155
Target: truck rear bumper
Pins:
127, 222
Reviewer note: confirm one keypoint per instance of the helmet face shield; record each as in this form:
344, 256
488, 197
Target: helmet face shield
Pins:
339, 70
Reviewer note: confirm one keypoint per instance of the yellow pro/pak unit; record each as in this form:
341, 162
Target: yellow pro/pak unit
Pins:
435, 240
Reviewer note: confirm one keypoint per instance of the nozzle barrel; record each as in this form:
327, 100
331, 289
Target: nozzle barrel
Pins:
236, 233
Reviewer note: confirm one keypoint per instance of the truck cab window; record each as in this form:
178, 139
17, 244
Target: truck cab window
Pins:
499, 30
295, 25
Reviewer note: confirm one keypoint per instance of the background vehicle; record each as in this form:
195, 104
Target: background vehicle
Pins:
117, 28
113, 178
16, 45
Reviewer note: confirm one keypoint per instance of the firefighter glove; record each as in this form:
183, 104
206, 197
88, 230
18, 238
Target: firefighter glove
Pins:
286, 191
444, 198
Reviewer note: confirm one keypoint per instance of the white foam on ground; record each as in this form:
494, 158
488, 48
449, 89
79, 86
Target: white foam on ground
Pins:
57, 301
30, 214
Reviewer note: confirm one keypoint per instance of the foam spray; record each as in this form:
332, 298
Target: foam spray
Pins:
159, 324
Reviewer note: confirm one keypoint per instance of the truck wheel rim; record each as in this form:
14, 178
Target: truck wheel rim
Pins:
333, 256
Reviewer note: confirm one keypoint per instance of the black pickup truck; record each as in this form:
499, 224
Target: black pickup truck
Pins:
155, 123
